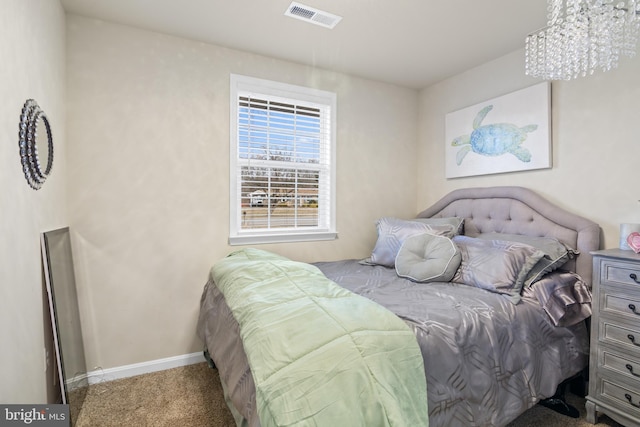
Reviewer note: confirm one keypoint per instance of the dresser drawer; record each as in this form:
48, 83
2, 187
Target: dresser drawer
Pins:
616, 271
619, 300
620, 396
625, 364
612, 332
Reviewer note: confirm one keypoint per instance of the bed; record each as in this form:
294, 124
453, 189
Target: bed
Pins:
491, 349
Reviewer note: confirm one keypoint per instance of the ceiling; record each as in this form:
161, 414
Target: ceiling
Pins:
411, 43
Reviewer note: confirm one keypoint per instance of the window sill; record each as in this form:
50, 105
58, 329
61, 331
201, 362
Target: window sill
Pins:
258, 239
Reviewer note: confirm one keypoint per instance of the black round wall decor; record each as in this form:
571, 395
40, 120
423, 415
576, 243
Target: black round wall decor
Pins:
36, 143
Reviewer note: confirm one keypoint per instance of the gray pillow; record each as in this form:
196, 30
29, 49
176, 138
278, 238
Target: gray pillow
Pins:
556, 253
392, 232
456, 222
428, 258
495, 265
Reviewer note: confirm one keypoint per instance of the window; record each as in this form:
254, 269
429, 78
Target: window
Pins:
282, 162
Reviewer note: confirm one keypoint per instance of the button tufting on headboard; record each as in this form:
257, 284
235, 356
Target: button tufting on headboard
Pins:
518, 210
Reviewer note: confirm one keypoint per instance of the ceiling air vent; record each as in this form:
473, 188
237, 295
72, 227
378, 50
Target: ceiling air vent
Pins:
312, 15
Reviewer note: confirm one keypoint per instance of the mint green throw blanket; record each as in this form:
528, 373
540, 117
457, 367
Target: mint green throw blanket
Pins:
319, 354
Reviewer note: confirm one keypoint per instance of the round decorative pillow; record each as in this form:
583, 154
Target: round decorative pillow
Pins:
428, 258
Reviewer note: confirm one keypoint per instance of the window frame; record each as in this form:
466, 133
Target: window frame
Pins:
241, 86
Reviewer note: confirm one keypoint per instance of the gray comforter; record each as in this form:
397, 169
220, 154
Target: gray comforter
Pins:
486, 359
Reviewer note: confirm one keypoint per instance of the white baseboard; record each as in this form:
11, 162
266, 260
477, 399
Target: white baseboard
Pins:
103, 375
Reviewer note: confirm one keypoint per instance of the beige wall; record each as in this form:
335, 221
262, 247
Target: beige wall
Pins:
32, 54
595, 140
149, 174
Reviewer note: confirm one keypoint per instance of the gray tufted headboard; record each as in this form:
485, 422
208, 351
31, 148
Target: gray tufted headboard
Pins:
518, 210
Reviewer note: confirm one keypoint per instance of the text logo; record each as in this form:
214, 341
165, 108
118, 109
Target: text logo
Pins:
35, 415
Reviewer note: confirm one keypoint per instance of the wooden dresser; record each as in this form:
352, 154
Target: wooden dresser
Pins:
614, 365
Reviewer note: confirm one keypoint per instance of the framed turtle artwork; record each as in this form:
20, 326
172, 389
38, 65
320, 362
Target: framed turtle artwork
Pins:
505, 134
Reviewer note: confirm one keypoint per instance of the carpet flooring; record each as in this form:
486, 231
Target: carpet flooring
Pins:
191, 396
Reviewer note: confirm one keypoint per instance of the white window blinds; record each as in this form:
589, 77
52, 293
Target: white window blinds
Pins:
282, 163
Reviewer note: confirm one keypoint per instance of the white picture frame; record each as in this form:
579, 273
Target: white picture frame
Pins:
505, 134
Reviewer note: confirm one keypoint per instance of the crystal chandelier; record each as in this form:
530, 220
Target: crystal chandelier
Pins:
582, 36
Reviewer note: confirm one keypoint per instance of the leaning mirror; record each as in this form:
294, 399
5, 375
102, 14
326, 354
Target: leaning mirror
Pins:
65, 315
36, 144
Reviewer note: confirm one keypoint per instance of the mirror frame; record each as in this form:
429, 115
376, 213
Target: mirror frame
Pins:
64, 310
31, 115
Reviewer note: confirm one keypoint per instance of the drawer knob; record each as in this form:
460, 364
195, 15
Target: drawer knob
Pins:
634, 278
633, 340
632, 307
630, 368
628, 397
